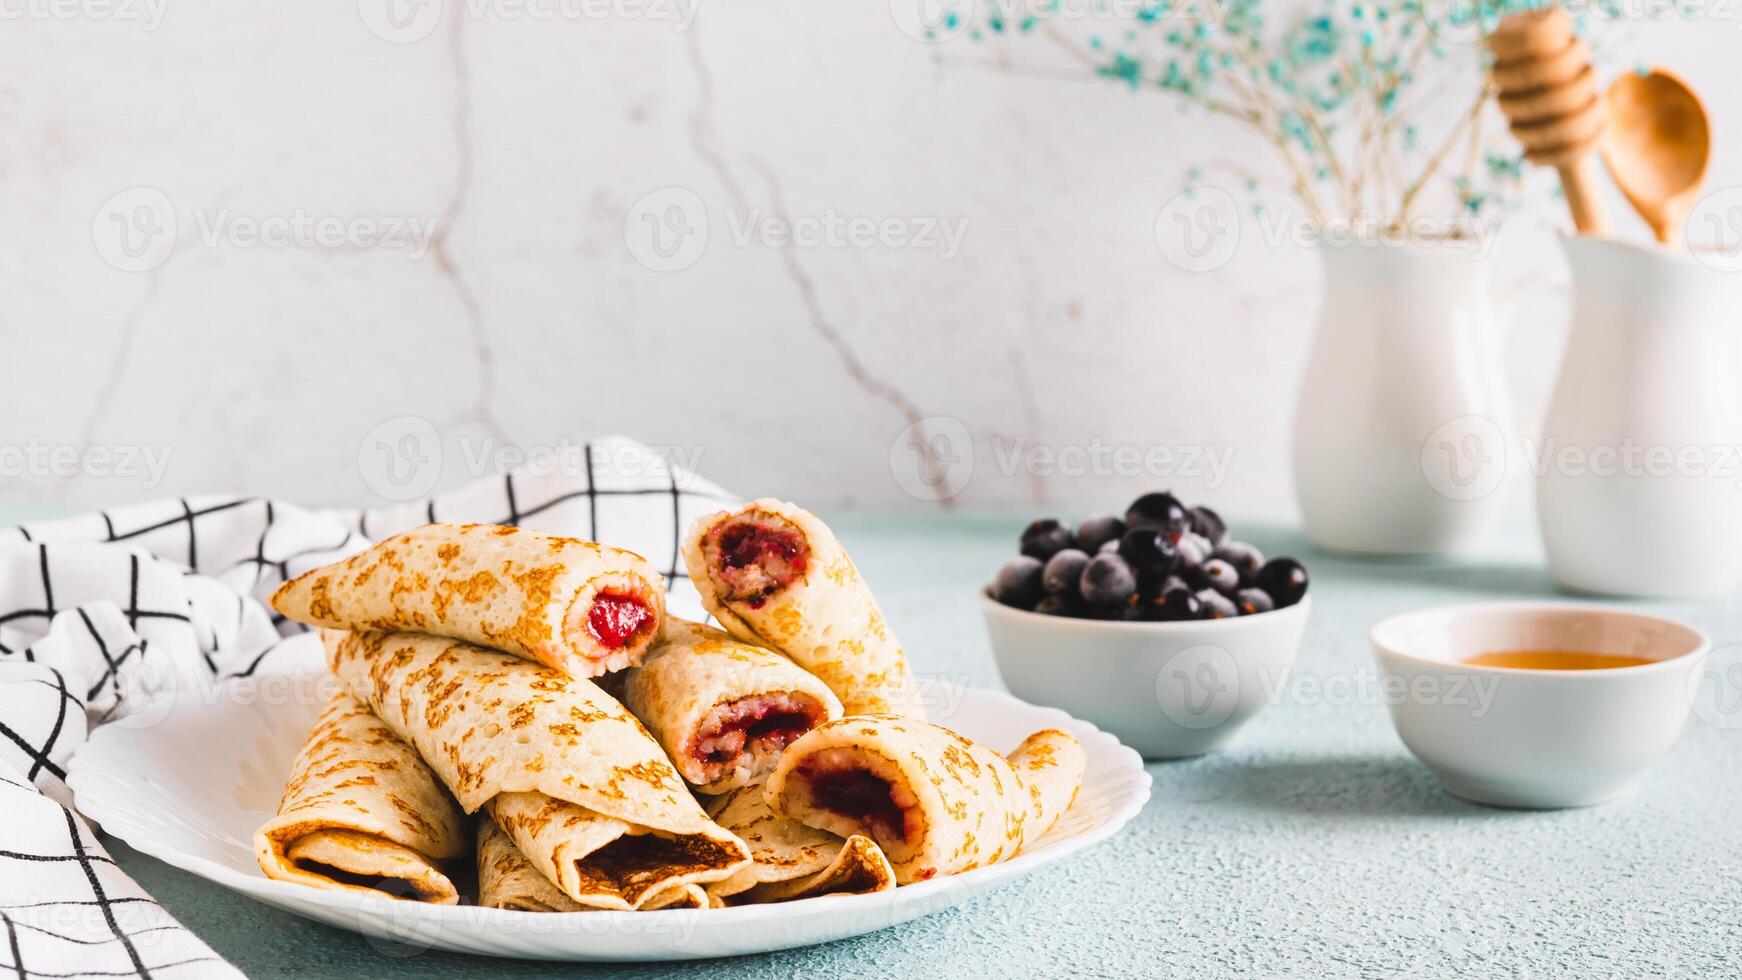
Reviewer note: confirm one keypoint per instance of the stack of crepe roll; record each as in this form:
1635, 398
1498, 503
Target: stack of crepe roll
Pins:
521, 704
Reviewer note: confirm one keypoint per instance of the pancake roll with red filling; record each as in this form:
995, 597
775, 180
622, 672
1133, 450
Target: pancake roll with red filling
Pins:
580, 607
723, 709
775, 575
571, 777
933, 801
362, 813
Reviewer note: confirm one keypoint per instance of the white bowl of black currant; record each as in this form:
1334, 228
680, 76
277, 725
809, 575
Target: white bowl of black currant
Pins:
1157, 625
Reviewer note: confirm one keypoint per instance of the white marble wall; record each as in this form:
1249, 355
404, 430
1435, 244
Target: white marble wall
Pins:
529, 145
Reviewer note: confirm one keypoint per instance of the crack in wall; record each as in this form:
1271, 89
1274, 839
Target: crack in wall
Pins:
481, 410
703, 139
123, 352
819, 320
702, 129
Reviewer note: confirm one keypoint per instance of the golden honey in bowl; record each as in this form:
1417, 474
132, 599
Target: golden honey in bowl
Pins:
1556, 660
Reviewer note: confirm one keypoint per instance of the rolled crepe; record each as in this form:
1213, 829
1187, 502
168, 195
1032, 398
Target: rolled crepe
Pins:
507, 880
792, 860
589, 855
580, 607
688, 896
775, 575
362, 813
935, 802
723, 709
572, 778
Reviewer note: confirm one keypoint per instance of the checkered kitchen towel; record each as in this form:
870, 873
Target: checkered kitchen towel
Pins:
102, 612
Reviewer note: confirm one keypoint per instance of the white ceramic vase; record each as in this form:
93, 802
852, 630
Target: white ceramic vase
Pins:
1639, 484
1403, 435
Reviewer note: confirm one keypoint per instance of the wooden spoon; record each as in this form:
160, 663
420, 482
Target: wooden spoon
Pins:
1656, 146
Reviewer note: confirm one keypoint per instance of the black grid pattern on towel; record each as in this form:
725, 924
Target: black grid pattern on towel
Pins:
40, 752
610, 498
101, 924
252, 544
177, 587
176, 537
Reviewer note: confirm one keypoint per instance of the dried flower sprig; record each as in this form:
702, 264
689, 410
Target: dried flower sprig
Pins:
1344, 93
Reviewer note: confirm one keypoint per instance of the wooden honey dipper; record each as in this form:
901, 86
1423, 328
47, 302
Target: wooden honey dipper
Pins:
1548, 91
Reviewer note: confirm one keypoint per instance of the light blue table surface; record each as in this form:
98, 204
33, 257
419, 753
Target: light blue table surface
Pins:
1316, 846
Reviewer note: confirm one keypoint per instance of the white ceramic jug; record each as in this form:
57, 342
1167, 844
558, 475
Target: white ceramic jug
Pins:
1403, 436
1639, 488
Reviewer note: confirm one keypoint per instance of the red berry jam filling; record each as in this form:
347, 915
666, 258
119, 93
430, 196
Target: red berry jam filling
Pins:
616, 618
762, 725
859, 795
757, 557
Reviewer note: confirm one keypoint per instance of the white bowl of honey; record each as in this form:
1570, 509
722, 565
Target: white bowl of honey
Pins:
1538, 705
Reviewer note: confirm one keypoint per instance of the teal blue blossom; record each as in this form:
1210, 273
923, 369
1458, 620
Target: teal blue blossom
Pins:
1344, 91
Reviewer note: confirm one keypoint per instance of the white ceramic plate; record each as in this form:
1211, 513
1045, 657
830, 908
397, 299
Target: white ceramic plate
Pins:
190, 783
